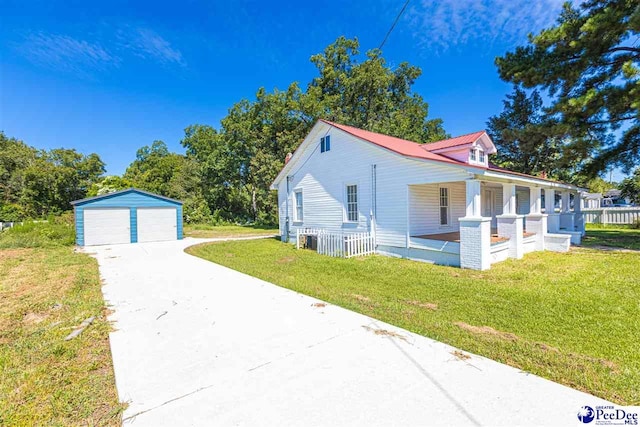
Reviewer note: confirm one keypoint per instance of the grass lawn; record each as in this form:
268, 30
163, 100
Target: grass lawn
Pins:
44, 380
573, 318
226, 231
615, 236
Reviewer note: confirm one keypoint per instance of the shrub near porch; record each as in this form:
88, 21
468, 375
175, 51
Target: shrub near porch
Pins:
572, 318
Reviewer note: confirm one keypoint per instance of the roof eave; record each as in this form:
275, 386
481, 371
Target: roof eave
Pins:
126, 190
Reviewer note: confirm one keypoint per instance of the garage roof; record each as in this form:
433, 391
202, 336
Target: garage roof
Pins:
120, 192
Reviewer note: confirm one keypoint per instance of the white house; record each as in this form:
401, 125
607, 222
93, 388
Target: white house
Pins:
441, 202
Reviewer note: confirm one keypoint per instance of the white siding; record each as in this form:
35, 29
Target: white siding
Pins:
424, 207
324, 176
461, 155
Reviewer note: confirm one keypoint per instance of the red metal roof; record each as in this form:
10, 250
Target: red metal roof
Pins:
398, 145
422, 151
469, 138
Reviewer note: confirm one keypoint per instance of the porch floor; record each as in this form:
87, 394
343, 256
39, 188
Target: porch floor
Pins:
455, 237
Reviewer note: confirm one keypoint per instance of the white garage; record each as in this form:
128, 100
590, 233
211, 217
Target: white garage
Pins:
127, 216
156, 224
107, 226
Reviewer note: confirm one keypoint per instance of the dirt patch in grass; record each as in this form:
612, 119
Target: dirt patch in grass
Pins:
578, 359
34, 318
427, 305
385, 333
286, 260
487, 330
361, 298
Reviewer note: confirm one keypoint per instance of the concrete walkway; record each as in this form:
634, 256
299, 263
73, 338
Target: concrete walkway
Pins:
197, 344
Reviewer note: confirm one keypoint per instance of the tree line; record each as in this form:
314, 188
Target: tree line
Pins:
586, 65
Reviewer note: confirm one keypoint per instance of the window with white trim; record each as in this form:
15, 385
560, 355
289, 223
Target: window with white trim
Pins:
472, 154
298, 213
352, 203
444, 206
481, 156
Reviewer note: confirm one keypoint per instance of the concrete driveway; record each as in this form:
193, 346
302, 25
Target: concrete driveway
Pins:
198, 344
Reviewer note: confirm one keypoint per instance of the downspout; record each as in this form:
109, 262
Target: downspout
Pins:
374, 204
286, 221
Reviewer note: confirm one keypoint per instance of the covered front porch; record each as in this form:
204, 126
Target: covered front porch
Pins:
478, 222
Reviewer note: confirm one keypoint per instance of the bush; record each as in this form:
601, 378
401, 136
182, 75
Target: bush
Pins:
11, 212
54, 231
636, 224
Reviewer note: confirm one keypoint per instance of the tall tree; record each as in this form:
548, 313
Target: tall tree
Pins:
241, 160
160, 171
630, 187
522, 135
108, 184
589, 64
369, 94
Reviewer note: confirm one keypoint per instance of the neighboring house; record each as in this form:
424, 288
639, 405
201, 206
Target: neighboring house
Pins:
592, 200
441, 202
613, 198
610, 199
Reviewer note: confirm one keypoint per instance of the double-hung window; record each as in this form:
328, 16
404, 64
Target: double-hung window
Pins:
481, 156
352, 203
444, 206
325, 143
298, 206
472, 154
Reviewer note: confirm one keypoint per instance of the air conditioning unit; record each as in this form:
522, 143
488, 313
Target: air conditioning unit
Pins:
311, 242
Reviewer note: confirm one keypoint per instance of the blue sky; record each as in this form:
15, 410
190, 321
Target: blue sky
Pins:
110, 77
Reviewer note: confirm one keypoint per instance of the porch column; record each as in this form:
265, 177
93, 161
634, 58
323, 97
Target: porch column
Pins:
566, 216
475, 232
473, 199
536, 221
578, 204
553, 219
510, 223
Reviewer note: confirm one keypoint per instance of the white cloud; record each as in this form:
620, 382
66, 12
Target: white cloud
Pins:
87, 58
443, 24
66, 53
148, 44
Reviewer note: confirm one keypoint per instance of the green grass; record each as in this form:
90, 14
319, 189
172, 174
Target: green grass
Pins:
227, 231
612, 236
573, 318
54, 232
44, 380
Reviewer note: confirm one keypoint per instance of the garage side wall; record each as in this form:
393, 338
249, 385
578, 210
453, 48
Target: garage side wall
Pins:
130, 200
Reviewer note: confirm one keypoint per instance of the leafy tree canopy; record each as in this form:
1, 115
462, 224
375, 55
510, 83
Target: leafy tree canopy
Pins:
108, 184
34, 183
589, 64
631, 187
521, 136
239, 161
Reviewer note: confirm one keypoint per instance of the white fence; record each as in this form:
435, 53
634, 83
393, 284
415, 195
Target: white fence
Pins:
611, 215
5, 225
338, 244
